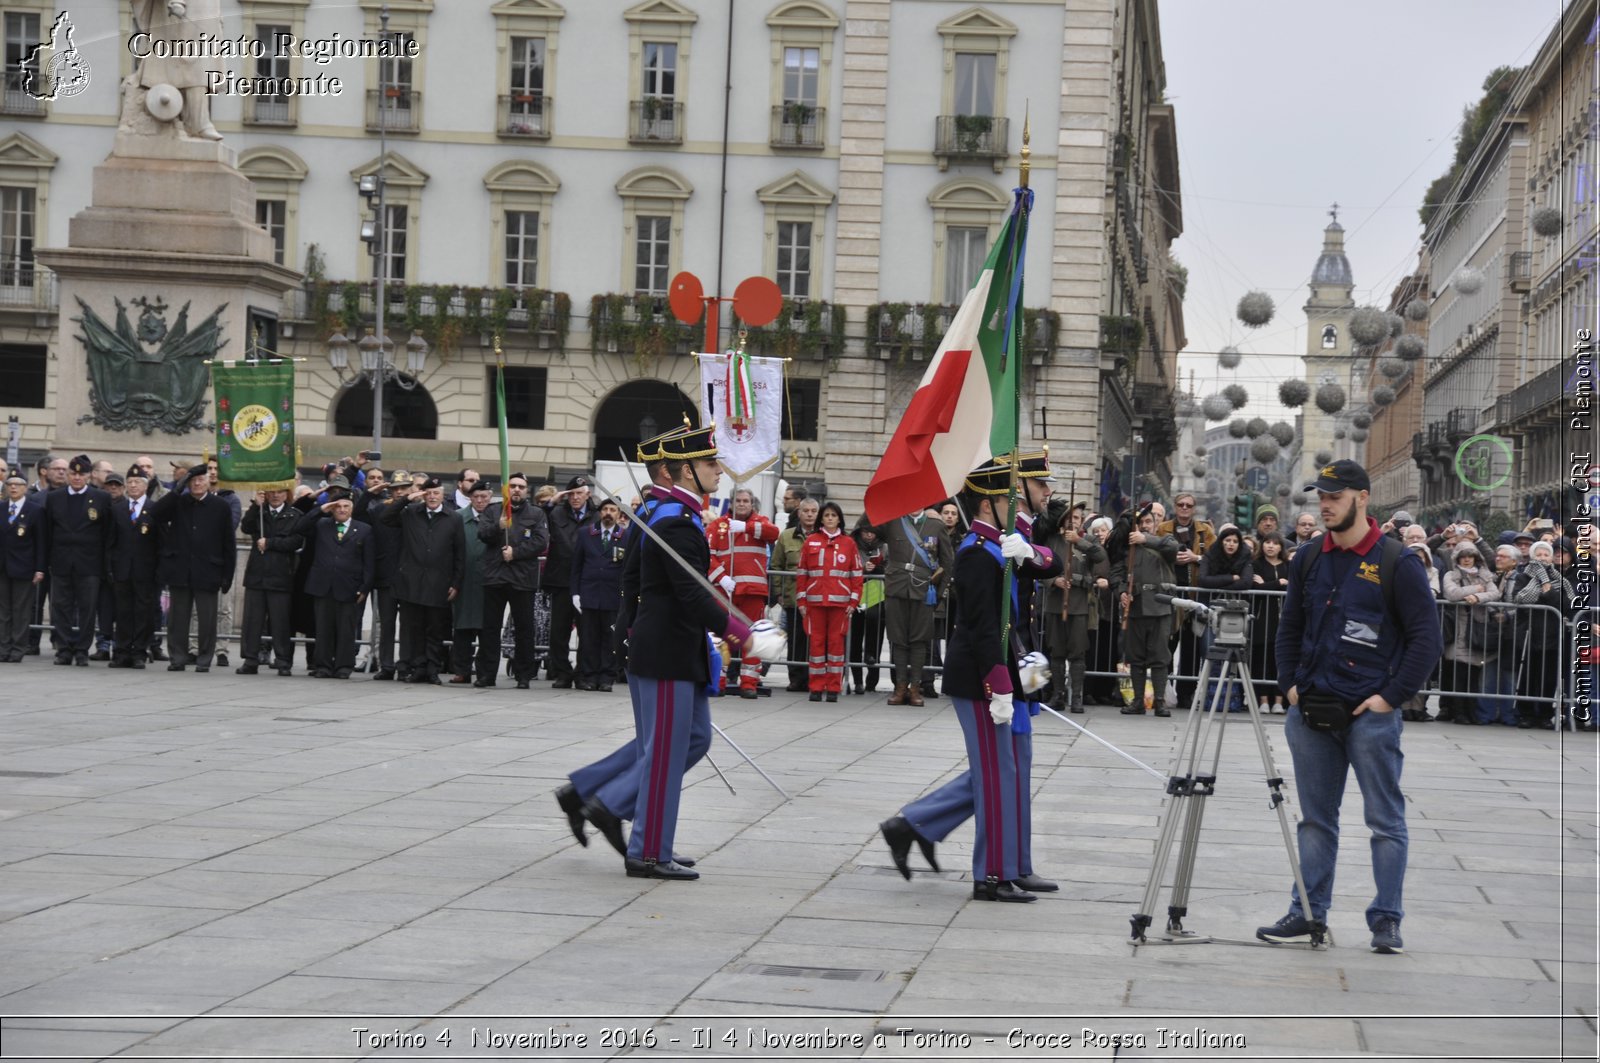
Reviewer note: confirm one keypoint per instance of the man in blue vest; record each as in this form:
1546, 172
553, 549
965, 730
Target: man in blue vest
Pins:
1350, 650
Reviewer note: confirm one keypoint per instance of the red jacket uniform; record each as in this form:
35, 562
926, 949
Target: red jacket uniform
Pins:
742, 555
830, 571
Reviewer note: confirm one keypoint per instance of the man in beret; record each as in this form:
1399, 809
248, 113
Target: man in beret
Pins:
109, 481
134, 558
22, 565
428, 578
197, 565
78, 532
269, 582
566, 521
379, 497
340, 576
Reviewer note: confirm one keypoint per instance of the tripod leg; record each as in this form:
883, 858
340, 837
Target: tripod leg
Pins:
1277, 798
1203, 786
1178, 785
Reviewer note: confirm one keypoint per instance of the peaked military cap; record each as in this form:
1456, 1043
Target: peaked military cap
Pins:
687, 443
993, 478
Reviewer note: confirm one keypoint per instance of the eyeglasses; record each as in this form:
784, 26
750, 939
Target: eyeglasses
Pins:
1183, 505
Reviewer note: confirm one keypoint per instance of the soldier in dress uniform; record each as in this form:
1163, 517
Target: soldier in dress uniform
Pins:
78, 533
135, 555
269, 581
670, 661
432, 563
606, 792
981, 679
22, 566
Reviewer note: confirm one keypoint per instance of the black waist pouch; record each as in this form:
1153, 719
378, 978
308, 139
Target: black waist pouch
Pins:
1324, 712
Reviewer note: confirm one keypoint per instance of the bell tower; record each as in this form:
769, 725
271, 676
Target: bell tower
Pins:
1328, 345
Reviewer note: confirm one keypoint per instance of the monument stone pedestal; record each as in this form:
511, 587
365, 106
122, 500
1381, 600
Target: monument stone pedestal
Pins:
171, 224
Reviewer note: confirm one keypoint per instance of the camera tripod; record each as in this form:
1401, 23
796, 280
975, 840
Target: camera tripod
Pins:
1190, 783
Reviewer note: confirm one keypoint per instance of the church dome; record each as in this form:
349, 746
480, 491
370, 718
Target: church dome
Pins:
1333, 267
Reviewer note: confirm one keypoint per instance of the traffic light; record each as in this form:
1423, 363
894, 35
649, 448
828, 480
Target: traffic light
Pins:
1244, 509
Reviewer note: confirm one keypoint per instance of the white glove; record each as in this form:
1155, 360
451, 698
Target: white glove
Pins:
1000, 710
1034, 669
726, 583
577, 603
735, 527
1015, 548
767, 641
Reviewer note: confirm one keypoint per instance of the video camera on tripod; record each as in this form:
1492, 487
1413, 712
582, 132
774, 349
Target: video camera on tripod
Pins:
1228, 618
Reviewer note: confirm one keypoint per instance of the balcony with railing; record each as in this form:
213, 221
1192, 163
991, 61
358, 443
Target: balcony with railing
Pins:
30, 289
1519, 272
15, 102
523, 115
1539, 397
901, 330
798, 125
394, 110
457, 309
269, 111
655, 120
970, 137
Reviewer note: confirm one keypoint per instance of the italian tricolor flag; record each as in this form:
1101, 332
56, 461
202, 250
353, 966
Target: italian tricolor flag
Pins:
965, 410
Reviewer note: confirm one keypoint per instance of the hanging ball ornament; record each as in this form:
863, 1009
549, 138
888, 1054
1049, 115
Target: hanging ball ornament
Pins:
1362, 420
1294, 393
1237, 427
1369, 325
1237, 395
1239, 469
1391, 367
1256, 309
1238, 481
1198, 470
1216, 407
1417, 310
1300, 498
1397, 325
1359, 435
1382, 395
1339, 433
1468, 281
1283, 432
1330, 398
1229, 357
1255, 428
1409, 347
1323, 456
1546, 222
1282, 490
1265, 450
1201, 451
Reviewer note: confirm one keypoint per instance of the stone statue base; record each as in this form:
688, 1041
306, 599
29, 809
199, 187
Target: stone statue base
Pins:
171, 224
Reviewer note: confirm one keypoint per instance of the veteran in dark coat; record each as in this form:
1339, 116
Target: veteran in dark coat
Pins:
197, 563
269, 524
134, 561
510, 578
22, 561
467, 609
428, 578
339, 578
77, 530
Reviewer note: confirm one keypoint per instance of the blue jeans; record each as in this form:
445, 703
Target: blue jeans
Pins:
1322, 764
1499, 678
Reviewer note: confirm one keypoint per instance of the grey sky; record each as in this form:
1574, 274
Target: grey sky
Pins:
1284, 107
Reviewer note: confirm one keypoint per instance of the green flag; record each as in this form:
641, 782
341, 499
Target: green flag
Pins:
255, 425
505, 446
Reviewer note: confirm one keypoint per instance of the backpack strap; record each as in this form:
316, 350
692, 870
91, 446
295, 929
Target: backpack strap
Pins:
1391, 550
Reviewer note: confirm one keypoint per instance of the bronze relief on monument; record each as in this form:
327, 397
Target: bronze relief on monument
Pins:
151, 376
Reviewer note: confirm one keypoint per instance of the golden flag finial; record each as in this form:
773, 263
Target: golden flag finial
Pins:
499, 355
1027, 152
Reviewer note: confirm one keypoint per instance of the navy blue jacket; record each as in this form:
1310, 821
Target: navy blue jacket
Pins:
668, 640
341, 569
1336, 635
135, 545
22, 541
597, 568
78, 531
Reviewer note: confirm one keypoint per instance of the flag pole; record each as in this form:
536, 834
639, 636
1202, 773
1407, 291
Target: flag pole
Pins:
505, 448
1008, 351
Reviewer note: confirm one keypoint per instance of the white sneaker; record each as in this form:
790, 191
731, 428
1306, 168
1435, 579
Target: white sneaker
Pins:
1279, 709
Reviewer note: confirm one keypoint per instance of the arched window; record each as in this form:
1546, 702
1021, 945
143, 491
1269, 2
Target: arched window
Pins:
406, 414
1330, 337
637, 410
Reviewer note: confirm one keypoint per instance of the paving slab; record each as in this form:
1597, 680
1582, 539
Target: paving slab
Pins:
200, 860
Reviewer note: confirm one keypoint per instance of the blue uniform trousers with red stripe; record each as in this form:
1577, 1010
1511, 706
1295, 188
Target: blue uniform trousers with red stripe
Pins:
991, 759
670, 712
935, 815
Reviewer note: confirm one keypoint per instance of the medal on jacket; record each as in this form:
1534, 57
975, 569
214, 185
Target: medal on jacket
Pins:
144, 528
21, 530
94, 514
